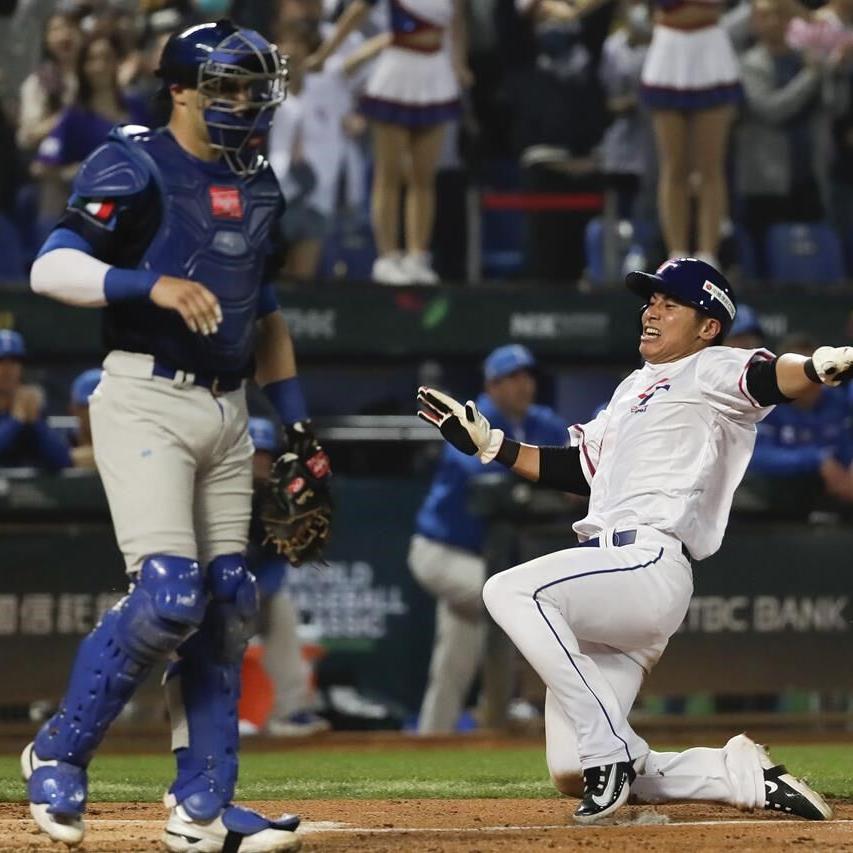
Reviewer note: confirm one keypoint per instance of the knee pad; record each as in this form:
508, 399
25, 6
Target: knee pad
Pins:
167, 603
203, 688
233, 610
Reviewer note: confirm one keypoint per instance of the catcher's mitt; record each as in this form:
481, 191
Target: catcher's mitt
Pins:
296, 509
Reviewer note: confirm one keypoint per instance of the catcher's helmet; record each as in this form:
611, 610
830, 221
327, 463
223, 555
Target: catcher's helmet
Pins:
693, 282
242, 77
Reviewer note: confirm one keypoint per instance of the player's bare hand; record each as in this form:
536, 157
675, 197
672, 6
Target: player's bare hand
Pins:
193, 301
28, 403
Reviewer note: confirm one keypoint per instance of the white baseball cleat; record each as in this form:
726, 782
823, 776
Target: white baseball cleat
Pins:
786, 794
63, 790
235, 830
299, 724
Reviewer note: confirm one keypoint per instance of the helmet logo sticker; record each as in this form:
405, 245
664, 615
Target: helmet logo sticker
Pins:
720, 295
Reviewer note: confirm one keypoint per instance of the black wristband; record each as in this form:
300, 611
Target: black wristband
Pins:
811, 373
508, 452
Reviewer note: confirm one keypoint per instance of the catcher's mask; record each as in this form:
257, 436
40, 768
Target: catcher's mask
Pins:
242, 79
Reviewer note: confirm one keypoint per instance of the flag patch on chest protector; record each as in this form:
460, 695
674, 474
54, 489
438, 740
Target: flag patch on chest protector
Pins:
225, 202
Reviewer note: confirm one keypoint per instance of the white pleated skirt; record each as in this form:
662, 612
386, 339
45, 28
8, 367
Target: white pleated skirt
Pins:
412, 88
690, 70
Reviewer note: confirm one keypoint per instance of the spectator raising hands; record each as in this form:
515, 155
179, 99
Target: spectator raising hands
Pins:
53, 85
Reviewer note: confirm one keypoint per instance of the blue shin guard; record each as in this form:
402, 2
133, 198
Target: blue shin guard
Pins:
164, 606
203, 688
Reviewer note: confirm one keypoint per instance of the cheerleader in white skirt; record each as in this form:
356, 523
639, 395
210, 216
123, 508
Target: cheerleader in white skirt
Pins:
691, 84
412, 93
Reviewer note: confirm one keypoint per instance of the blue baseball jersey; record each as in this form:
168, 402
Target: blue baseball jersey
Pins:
444, 515
793, 440
142, 202
33, 445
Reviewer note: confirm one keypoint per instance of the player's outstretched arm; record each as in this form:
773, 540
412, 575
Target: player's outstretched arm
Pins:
790, 376
469, 431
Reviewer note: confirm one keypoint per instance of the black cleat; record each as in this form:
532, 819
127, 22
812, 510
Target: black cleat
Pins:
605, 789
786, 794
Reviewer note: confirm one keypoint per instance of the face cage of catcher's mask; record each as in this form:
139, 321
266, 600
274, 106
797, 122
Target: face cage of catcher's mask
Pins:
243, 161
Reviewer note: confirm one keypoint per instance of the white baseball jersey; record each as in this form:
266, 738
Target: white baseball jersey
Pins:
671, 447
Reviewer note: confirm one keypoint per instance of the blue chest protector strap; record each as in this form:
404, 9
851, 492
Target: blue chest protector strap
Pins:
203, 688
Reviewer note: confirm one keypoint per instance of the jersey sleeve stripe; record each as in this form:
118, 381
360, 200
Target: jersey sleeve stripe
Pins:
762, 355
584, 453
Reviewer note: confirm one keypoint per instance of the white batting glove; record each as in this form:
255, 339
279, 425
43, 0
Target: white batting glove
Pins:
833, 365
462, 426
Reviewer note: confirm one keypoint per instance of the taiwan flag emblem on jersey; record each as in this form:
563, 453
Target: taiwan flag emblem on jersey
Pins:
646, 396
225, 203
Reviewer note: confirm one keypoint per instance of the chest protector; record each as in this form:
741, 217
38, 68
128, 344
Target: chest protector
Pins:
215, 228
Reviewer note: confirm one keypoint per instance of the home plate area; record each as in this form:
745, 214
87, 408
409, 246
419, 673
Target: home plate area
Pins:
466, 826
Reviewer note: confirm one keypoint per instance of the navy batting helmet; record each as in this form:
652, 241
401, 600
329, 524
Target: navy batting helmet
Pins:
692, 282
242, 78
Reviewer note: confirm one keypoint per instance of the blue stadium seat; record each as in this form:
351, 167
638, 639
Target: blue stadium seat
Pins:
348, 250
747, 258
502, 231
502, 243
12, 263
848, 251
804, 252
593, 240
627, 240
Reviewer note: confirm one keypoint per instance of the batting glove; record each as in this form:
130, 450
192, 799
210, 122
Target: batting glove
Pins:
462, 426
833, 365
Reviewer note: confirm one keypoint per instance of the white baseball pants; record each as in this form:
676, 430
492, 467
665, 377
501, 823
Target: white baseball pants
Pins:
455, 577
592, 622
175, 461
283, 658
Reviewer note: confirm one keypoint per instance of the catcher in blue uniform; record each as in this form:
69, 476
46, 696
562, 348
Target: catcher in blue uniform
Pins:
170, 231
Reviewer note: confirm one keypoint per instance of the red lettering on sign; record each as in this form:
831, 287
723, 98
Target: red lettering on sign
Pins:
225, 202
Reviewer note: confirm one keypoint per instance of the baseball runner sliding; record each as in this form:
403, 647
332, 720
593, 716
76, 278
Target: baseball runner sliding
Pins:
172, 231
660, 465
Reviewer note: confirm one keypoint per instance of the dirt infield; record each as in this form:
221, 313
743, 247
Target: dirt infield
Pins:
467, 826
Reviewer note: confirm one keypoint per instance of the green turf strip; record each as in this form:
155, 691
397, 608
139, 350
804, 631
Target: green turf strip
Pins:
395, 773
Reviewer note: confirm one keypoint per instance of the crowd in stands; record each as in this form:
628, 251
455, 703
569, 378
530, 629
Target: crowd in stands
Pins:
740, 152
